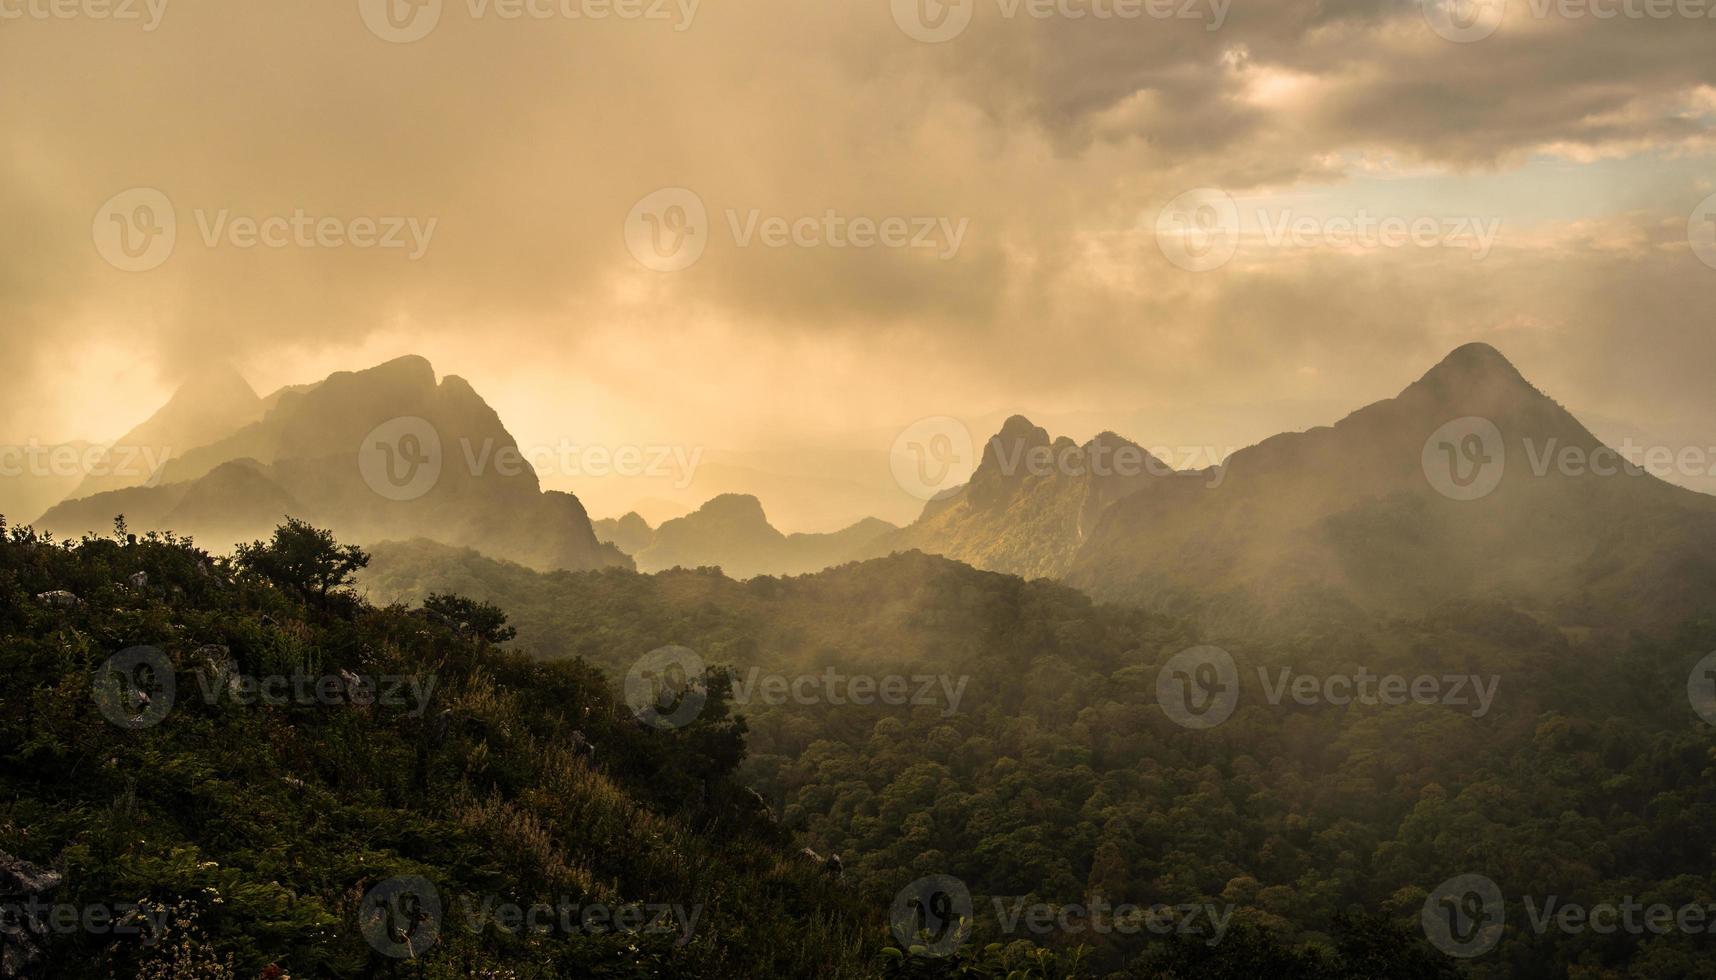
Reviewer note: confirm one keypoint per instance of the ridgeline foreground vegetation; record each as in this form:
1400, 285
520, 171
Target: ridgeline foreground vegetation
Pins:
246, 768
266, 787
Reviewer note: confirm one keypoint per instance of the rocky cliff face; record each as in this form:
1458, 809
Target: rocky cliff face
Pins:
1032, 502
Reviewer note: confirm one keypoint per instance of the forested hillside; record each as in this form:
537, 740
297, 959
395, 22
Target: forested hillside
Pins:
1026, 752
275, 778
1040, 764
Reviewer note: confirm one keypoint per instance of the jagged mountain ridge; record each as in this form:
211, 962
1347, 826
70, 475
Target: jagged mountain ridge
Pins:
304, 458
1354, 511
1032, 502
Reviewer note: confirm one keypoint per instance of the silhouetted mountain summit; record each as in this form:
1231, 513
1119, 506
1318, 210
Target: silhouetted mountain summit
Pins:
381, 453
1475, 367
1469, 482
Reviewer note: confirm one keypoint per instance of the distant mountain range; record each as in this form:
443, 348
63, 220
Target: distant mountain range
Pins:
1470, 482
383, 453
732, 532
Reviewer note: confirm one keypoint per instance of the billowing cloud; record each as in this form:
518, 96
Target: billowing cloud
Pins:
1027, 158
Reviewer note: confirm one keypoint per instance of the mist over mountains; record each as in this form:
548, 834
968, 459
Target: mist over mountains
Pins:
986, 695
1372, 510
731, 532
1349, 514
895, 490
1363, 514
207, 408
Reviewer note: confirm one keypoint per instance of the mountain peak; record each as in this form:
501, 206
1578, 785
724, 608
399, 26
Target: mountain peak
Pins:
1017, 435
414, 369
1475, 363
1474, 379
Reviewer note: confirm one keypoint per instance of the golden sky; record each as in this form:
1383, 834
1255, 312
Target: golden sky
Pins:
1563, 160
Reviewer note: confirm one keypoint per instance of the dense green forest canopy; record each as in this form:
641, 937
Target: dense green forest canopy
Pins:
1586, 775
1026, 756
